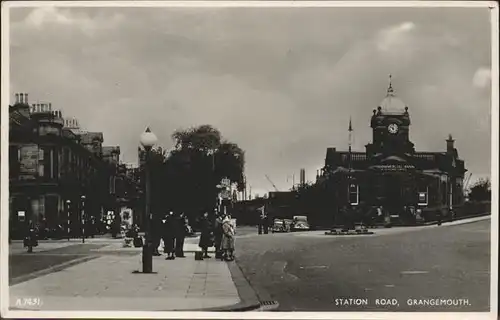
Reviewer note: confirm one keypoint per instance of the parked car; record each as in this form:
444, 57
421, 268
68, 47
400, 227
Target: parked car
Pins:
300, 223
189, 231
280, 225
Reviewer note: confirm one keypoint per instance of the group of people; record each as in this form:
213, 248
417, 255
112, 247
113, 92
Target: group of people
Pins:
172, 229
219, 234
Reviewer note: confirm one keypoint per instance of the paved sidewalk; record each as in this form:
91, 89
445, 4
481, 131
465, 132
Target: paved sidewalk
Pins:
190, 245
108, 283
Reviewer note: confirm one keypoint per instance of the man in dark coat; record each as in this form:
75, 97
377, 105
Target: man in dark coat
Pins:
206, 235
180, 234
169, 236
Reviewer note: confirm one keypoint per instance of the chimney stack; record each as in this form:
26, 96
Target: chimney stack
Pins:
26, 98
302, 177
50, 106
17, 98
21, 98
450, 144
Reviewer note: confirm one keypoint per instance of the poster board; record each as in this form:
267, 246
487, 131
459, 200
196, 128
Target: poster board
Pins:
28, 161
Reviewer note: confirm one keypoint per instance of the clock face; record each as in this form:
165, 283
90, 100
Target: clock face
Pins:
393, 128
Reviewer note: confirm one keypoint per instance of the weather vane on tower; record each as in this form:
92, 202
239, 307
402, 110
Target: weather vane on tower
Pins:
390, 90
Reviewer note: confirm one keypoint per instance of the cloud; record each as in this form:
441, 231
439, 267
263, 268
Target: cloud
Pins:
395, 37
482, 77
51, 16
281, 83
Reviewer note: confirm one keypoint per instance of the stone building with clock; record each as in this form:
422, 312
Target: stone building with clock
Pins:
410, 185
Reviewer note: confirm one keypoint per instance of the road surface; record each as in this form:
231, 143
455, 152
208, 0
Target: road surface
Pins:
392, 270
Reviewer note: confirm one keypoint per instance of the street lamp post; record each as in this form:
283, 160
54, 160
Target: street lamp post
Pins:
148, 140
83, 218
68, 209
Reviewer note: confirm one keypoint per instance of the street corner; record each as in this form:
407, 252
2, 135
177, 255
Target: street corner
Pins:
249, 301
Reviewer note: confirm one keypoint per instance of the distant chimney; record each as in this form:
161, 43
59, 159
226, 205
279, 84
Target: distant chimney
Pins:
50, 106
450, 144
26, 98
302, 177
21, 98
17, 98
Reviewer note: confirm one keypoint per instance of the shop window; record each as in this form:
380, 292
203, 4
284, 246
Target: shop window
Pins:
353, 194
423, 196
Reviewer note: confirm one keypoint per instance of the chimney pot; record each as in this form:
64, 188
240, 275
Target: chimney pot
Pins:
26, 98
21, 98
17, 98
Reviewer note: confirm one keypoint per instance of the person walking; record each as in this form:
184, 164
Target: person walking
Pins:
228, 239
180, 235
169, 236
156, 233
218, 232
206, 235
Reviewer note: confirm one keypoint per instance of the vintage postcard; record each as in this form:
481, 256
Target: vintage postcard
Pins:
260, 159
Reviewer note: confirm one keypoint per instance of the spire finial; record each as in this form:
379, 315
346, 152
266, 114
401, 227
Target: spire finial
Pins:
390, 90
350, 125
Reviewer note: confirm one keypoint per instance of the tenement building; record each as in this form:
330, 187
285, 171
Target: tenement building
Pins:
409, 185
58, 174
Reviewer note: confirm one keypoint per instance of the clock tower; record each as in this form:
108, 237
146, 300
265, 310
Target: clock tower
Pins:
390, 123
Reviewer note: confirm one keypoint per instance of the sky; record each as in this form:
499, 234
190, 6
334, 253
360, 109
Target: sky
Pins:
282, 83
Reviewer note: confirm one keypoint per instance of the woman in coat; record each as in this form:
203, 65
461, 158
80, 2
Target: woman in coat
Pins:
206, 235
218, 236
228, 239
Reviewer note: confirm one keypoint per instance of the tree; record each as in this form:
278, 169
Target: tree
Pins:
200, 160
157, 160
480, 191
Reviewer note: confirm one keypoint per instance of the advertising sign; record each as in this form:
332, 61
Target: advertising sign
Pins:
395, 167
422, 198
226, 182
21, 215
28, 162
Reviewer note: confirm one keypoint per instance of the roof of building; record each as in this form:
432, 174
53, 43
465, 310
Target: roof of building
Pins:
391, 102
89, 137
108, 150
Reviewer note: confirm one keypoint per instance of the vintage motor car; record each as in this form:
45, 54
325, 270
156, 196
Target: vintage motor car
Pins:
300, 223
280, 225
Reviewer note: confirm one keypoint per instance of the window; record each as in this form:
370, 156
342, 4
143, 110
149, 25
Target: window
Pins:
353, 194
423, 196
53, 168
112, 185
41, 166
